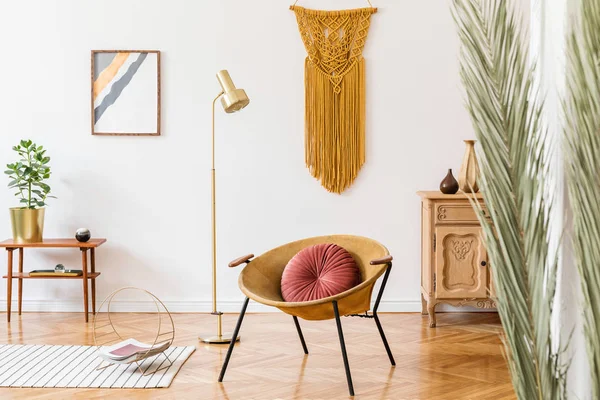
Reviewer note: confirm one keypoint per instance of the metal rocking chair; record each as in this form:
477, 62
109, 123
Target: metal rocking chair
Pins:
260, 281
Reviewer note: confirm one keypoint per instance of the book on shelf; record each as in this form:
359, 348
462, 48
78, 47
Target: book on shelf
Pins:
52, 272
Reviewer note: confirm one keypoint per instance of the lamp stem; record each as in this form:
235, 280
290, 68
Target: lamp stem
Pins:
221, 338
214, 224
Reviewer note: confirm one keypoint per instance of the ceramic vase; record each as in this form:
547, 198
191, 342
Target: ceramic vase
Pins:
469, 171
83, 235
449, 185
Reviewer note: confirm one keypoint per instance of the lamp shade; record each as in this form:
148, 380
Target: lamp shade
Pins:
233, 99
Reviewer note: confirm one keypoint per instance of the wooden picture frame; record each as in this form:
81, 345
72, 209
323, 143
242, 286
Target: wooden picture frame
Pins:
117, 73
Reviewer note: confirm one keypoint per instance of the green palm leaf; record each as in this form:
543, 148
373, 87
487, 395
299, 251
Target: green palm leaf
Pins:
582, 110
512, 151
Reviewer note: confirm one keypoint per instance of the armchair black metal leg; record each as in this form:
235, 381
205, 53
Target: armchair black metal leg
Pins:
379, 327
300, 334
385, 342
235, 334
343, 346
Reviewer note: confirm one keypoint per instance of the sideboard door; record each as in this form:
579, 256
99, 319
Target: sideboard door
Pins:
492, 285
461, 258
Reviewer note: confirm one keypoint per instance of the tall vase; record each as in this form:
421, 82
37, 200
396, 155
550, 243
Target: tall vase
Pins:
469, 170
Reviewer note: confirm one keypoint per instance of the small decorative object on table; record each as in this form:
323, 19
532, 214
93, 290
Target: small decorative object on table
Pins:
469, 171
27, 177
83, 235
449, 185
58, 270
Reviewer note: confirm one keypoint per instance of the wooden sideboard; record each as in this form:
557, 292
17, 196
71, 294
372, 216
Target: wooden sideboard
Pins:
454, 264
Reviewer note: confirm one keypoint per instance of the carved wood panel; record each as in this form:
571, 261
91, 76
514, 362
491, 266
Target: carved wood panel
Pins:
459, 270
452, 213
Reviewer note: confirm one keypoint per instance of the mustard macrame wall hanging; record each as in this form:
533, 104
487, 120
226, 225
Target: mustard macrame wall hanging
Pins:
334, 78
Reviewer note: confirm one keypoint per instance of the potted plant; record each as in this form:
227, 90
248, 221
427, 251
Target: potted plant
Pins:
28, 176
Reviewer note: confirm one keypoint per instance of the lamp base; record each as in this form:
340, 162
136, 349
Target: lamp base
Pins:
216, 339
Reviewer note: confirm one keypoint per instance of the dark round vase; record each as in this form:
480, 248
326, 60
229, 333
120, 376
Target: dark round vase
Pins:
83, 235
449, 185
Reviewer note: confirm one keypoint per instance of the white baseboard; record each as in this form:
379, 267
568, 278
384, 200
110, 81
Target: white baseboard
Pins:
203, 306
200, 306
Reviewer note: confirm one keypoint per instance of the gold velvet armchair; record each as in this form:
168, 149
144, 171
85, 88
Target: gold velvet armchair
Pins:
260, 281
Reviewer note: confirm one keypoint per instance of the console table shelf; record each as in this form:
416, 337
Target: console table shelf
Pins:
86, 248
26, 275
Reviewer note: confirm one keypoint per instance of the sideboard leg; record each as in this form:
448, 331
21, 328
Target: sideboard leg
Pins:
431, 312
423, 305
20, 279
9, 284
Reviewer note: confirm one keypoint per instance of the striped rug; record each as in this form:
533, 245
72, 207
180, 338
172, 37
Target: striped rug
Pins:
41, 366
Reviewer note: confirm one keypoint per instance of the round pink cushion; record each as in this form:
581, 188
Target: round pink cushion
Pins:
317, 272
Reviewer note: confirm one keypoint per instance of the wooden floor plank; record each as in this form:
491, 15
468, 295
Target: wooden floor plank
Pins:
460, 359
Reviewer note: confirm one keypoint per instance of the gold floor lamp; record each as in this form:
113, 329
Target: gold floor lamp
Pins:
232, 100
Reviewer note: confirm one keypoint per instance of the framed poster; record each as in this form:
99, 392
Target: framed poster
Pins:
126, 92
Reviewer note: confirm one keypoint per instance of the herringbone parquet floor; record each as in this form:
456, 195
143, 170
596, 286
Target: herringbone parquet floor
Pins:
460, 359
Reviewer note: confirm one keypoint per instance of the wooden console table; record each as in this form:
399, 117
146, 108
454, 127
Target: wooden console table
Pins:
91, 245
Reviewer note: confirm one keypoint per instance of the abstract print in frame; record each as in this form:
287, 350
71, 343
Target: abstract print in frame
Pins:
126, 92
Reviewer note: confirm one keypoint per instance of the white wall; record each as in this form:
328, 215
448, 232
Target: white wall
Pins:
151, 196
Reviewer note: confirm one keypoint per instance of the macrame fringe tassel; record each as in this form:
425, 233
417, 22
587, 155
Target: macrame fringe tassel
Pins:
335, 126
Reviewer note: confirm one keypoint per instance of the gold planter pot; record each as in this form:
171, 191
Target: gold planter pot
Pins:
27, 224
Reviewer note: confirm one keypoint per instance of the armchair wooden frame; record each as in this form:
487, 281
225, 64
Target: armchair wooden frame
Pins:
260, 281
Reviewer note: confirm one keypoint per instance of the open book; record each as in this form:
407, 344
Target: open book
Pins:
130, 350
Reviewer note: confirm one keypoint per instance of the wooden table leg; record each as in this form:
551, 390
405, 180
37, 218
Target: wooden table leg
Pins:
93, 269
9, 283
20, 280
85, 282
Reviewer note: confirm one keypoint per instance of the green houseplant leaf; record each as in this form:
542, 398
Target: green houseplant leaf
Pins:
513, 157
29, 174
582, 132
